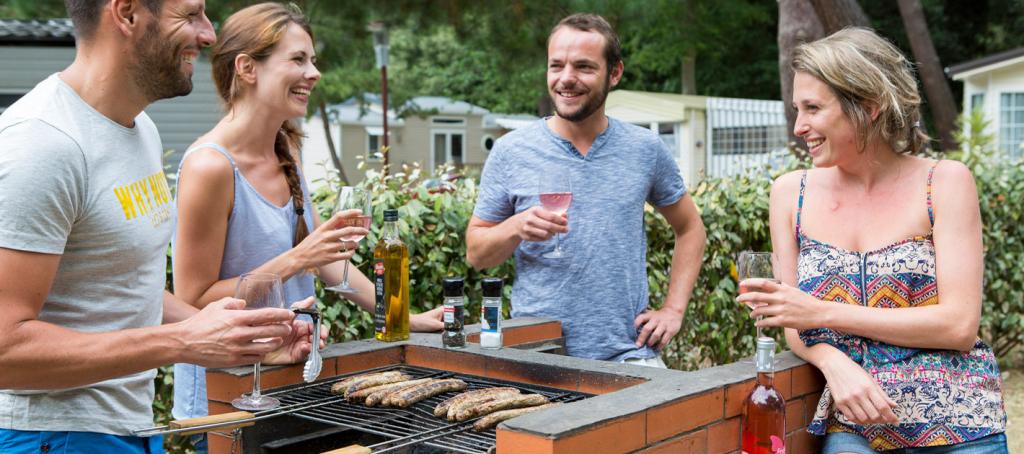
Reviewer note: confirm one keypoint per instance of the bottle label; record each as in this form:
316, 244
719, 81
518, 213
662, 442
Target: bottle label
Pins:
454, 317
378, 291
490, 319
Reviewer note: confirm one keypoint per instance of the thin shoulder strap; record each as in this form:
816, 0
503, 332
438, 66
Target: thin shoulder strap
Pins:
931, 206
210, 145
800, 202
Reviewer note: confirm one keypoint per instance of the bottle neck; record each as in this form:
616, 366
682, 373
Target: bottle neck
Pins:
764, 358
766, 378
390, 230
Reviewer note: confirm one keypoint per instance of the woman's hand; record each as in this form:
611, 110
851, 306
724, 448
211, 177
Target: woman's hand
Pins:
299, 344
427, 322
782, 305
324, 245
856, 393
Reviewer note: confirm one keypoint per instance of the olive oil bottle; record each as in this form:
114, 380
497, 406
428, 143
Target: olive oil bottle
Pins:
391, 282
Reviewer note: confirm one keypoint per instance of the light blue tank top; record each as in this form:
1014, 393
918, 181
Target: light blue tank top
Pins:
257, 232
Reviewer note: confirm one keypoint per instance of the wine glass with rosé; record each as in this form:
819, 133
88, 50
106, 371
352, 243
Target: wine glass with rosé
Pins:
555, 189
352, 198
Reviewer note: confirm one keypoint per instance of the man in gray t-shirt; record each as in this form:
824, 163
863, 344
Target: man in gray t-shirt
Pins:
599, 289
85, 219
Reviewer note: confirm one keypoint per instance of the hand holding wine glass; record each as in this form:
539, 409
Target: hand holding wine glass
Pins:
352, 198
259, 290
555, 191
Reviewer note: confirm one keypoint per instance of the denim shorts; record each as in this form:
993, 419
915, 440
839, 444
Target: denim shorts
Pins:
36, 442
847, 442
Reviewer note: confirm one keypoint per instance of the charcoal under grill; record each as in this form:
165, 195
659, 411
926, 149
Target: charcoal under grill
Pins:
398, 427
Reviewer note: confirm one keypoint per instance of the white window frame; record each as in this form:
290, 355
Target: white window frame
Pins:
447, 145
371, 156
1006, 114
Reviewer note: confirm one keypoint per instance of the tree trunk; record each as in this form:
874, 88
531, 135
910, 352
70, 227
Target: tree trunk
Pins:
689, 72
936, 88
838, 14
330, 142
798, 23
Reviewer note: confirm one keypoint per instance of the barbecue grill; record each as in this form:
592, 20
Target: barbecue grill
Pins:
398, 427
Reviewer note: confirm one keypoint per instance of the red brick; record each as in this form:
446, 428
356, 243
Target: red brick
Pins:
795, 415
531, 333
691, 443
810, 406
684, 415
735, 395
510, 442
359, 362
724, 436
807, 379
784, 383
618, 436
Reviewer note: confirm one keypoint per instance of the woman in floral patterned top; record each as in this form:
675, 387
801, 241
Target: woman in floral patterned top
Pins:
880, 257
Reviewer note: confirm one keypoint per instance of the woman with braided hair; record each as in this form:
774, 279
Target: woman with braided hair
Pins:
242, 203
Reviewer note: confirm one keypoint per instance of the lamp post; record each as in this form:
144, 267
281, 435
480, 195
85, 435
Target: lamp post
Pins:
380, 47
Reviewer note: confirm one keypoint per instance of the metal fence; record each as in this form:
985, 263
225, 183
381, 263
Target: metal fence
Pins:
744, 134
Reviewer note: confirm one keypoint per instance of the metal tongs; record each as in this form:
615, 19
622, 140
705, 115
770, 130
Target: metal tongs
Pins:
315, 363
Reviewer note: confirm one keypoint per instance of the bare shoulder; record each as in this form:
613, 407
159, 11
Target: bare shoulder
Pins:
787, 184
952, 174
208, 166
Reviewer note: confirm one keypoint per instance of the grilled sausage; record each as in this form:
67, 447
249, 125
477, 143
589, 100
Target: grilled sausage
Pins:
381, 392
442, 408
476, 401
341, 386
487, 408
409, 396
493, 419
382, 379
363, 394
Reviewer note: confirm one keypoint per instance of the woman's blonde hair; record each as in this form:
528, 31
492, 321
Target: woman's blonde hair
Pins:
255, 31
867, 72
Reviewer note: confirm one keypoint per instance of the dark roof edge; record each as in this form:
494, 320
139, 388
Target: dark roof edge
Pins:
984, 61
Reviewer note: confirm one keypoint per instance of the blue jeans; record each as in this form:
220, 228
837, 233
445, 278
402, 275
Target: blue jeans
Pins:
36, 442
846, 442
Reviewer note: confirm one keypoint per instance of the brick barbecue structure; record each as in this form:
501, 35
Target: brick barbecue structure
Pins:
634, 408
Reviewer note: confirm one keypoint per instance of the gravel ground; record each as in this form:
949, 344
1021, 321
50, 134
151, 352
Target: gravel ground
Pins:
1013, 395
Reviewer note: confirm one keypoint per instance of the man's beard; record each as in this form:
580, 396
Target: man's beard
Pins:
588, 108
157, 67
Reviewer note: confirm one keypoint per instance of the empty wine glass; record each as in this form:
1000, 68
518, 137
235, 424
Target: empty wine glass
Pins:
259, 290
352, 198
555, 190
755, 265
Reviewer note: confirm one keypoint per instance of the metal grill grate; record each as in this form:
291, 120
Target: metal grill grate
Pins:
405, 426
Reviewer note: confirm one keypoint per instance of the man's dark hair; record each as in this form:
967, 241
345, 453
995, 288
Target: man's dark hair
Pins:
593, 23
85, 14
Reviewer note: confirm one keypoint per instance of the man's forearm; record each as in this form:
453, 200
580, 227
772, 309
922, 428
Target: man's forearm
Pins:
39, 355
491, 246
687, 257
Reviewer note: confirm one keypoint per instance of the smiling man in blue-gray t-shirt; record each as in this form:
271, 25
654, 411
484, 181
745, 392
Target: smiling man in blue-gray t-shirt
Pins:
598, 290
